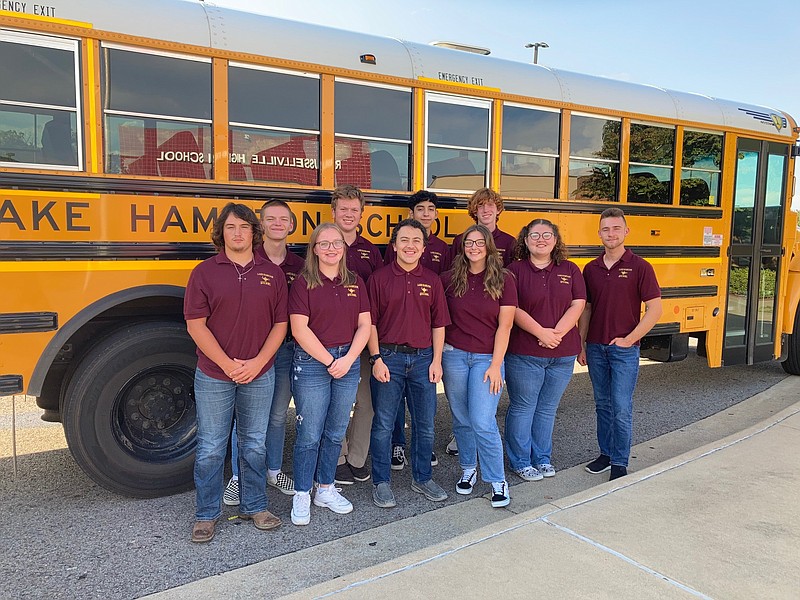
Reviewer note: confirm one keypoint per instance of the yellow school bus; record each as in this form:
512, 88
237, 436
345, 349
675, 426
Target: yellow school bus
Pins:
126, 126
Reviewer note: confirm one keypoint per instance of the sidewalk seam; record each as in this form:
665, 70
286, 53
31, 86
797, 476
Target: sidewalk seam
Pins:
627, 559
558, 509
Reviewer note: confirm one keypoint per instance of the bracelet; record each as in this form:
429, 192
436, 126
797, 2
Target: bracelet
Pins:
330, 365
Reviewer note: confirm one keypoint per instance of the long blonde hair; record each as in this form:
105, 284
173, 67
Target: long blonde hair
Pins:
311, 272
494, 276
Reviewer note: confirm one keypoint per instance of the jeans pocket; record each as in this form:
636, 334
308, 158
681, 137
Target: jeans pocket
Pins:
302, 356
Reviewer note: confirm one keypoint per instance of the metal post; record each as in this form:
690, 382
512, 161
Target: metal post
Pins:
14, 433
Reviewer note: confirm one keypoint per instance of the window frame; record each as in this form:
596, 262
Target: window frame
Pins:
556, 156
618, 161
718, 171
57, 43
632, 163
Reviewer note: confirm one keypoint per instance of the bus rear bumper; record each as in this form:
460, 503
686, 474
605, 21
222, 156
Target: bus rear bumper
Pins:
10, 385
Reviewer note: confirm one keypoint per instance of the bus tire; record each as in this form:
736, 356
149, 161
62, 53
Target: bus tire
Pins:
792, 363
129, 412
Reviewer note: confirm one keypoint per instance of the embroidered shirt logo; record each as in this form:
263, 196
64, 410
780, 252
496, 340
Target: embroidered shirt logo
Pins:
266, 278
424, 289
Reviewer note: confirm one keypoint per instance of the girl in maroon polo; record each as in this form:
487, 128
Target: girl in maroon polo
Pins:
482, 299
543, 346
330, 319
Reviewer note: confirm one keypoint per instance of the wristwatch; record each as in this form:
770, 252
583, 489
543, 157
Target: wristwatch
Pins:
374, 358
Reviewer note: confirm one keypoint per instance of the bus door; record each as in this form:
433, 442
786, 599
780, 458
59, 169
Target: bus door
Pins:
755, 251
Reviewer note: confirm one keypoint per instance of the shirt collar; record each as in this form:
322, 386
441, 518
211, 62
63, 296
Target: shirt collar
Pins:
398, 270
221, 258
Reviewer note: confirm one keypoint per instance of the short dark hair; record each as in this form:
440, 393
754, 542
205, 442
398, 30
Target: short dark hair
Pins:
275, 202
613, 211
241, 211
422, 196
409, 223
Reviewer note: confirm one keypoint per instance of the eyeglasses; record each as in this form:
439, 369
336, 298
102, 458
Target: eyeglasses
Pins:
335, 244
535, 236
471, 243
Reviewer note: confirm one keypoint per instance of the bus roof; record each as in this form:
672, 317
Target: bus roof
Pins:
204, 24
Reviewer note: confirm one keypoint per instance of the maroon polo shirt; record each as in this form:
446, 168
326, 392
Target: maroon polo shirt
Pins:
363, 257
291, 265
545, 294
475, 315
436, 256
407, 305
616, 295
332, 308
505, 246
239, 315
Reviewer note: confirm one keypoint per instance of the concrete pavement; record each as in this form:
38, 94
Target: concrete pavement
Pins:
719, 521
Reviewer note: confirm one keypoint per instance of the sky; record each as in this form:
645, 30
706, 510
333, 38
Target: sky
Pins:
723, 48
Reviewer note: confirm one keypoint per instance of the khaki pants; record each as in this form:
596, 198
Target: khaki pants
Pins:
355, 446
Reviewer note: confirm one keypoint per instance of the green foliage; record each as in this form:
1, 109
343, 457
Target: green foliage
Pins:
738, 282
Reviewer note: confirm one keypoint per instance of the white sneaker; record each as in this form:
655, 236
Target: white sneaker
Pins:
546, 469
529, 474
301, 508
231, 495
500, 495
330, 497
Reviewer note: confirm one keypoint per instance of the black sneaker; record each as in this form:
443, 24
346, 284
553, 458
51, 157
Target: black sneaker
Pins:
359, 473
434, 460
344, 476
601, 464
617, 471
398, 458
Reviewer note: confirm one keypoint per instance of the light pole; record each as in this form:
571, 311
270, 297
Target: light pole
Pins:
536, 47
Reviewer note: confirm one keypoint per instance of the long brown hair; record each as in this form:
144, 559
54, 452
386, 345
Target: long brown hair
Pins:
311, 271
559, 251
243, 212
494, 276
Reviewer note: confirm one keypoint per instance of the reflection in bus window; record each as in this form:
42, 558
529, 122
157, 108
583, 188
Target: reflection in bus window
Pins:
744, 198
594, 158
457, 143
773, 202
39, 112
157, 114
700, 171
530, 152
373, 136
651, 163
276, 137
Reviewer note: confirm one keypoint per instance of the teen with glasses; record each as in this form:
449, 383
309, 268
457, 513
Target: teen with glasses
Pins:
543, 346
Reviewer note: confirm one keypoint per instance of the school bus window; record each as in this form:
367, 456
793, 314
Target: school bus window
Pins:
39, 108
457, 145
651, 164
530, 152
594, 158
701, 167
274, 125
373, 136
157, 112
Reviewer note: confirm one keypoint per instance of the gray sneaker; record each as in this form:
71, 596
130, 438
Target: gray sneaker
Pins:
382, 495
430, 489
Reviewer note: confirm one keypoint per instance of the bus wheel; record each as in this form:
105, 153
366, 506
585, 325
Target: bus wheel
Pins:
792, 363
129, 412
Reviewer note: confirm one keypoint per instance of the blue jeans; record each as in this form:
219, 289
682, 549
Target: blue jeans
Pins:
535, 387
399, 431
217, 401
323, 407
474, 410
613, 371
409, 378
276, 430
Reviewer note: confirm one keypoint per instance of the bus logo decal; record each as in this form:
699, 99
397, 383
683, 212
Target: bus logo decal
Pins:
777, 121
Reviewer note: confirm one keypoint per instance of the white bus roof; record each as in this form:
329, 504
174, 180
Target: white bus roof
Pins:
204, 24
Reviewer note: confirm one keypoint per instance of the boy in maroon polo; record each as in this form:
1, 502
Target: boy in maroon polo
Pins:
485, 207
363, 257
276, 223
235, 310
409, 314
422, 206
617, 283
